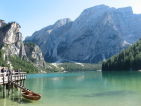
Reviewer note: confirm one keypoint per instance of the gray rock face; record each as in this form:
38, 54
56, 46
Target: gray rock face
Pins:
12, 43
97, 34
34, 53
11, 39
2, 23
50, 36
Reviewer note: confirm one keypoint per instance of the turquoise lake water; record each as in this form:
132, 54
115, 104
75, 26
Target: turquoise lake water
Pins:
80, 89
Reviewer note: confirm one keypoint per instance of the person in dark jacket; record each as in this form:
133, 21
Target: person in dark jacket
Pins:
2, 70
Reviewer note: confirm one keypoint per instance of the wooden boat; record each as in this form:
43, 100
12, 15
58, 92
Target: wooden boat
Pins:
30, 95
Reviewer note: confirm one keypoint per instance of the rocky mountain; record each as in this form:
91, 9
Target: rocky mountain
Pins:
34, 54
11, 39
97, 34
12, 44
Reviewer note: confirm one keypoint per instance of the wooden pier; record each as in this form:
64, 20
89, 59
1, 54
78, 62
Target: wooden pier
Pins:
16, 76
11, 80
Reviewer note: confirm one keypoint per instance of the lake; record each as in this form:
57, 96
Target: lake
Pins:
80, 89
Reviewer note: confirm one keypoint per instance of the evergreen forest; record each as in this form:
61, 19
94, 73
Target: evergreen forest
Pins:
128, 59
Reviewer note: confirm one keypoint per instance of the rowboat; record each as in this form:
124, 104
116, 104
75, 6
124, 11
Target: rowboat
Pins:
30, 95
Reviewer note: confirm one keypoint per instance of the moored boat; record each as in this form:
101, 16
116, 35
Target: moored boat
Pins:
30, 95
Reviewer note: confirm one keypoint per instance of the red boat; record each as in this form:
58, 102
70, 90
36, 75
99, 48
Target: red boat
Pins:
30, 95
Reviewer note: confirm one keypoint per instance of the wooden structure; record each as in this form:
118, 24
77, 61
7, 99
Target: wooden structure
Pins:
9, 80
16, 76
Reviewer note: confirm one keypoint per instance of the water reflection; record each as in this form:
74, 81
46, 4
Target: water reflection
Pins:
56, 79
126, 80
13, 101
20, 100
80, 78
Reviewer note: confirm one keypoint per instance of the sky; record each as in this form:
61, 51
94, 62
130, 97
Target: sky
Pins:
32, 15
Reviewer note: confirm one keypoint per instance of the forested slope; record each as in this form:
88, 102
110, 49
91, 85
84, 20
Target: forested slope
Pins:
128, 59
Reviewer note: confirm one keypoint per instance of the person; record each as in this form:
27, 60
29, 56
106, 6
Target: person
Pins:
5, 72
10, 74
13, 72
19, 70
2, 70
16, 71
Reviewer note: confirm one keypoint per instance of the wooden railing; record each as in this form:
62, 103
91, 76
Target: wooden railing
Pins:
15, 76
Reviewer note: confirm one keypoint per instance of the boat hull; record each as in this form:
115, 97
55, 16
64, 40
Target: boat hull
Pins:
30, 95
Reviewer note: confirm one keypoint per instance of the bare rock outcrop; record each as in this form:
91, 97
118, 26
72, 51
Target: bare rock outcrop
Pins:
12, 44
34, 54
11, 39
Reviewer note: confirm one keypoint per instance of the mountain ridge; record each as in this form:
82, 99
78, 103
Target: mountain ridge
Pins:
97, 34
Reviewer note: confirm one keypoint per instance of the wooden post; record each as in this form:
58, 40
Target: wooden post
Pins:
23, 82
12, 88
17, 78
20, 78
11, 76
4, 91
8, 84
8, 77
8, 89
4, 87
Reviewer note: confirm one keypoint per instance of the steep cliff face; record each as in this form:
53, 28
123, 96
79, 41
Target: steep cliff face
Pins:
34, 53
49, 37
97, 34
12, 44
11, 39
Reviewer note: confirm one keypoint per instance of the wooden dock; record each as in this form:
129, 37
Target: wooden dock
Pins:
16, 76
11, 80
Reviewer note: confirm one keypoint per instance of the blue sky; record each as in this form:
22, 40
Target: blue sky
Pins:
33, 15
